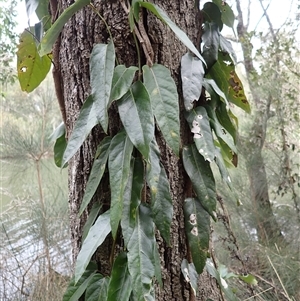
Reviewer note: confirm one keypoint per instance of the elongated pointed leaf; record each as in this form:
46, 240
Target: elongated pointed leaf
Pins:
201, 176
121, 81
96, 174
119, 288
223, 72
211, 42
190, 274
230, 157
102, 65
192, 73
76, 288
119, 169
42, 12
226, 119
220, 162
211, 13
221, 281
32, 67
200, 127
158, 12
164, 100
197, 228
94, 239
86, 121
219, 130
223, 169
161, 201
141, 253
226, 46
54, 31
60, 144
91, 219
212, 88
132, 198
97, 288
137, 117
227, 14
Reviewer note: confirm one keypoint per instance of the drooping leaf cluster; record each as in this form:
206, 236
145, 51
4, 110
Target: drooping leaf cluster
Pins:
132, 156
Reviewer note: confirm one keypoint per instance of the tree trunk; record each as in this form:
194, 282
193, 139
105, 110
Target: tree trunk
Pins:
84, 30
268, 230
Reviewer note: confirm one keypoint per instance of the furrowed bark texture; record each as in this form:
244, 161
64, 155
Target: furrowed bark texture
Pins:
84, 30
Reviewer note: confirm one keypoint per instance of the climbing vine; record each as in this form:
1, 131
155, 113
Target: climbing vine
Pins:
146, 96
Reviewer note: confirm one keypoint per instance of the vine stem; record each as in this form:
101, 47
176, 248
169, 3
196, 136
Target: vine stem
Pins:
142, 36
105, 23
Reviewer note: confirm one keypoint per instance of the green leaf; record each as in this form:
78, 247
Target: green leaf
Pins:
159, 13
54, 31
190, 274
60, 143
38, 32
94, 239
121, 81
227, 13
102, 63
76, 288
97, 288
164, 100
225, 46
132, 198
212, 88
197, 228
141, 262
42, 12
134, 13
221, 281
85, 122
200, 127
230, 158
223, 169
59, 149
219, 130
211, 13
225, 117
211, 42
137, 117
223, 72
250, 279
58, 132
192, 73
119, 169
161, 201
119, 288
96, 174
201, 177
32, 68
93, 214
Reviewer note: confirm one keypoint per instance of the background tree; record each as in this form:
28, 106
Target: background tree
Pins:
34, 229
8, 41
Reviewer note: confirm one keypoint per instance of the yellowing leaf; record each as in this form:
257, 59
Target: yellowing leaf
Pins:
223, 72
32, 69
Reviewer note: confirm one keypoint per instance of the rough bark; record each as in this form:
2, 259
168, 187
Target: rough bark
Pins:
77, 39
